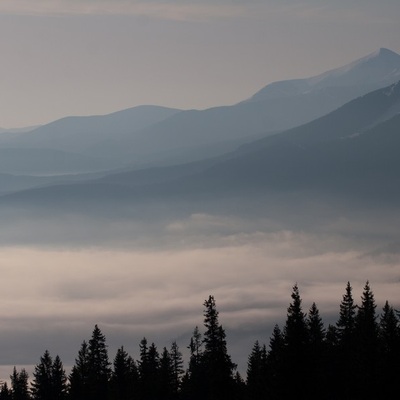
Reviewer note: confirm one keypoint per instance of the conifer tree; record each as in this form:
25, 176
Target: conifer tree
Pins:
345, 354
5, 392
366, 331
177, 368
124, 378
99, 366
316, 330
19, 385
296, 332
316, 354
193, 380
275, 377
346, 322
79, 377
59, 380
42, 385
166, 375
256, 373
148, 371
296, 345
217, 363
389, 346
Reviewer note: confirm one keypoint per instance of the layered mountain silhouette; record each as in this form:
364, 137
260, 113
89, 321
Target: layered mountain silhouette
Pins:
351, 153
156, 136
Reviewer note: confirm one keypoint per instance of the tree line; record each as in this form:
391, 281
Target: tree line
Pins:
358, 357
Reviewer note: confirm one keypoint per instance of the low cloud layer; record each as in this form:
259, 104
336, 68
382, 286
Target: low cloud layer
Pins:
52, 297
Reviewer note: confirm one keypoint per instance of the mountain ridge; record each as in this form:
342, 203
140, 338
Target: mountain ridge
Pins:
174, 136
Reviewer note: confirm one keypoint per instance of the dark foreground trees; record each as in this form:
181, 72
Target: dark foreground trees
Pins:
358, 357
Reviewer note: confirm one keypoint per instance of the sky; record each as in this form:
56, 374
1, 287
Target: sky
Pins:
86, 57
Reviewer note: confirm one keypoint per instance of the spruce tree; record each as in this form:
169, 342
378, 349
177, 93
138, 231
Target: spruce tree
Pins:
389, 347
124, 377
42, 385
79, 377
256, 373
166, 375
275, 358
19, 385
346, 322
177, 368
316, 354
193, 380
99, 366
366, 333
345, 355
149, 382
59, 380
5, 392
296, 346
217, 363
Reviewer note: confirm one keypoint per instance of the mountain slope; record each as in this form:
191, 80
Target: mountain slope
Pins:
154, 136
77, 133
350, 153
376, 70
279, 106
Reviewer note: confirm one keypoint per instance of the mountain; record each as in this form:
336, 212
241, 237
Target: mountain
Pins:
76, 134
193, 135
37, 161
376, 70
344, 152
155, 136
350, 153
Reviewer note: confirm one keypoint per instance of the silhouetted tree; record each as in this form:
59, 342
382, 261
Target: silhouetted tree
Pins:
316, 354
346, 322
192, 381
59, 380
366, 333
19, 385
389, 347
346, 352
177, 368
149, 366
275, 364
166, 375
79, 377
5, 392
124, 377
217, 363
296, 345
42, 384
99, 366
256, 373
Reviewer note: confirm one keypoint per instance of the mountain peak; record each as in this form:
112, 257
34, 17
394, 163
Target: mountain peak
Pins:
384, 52
374, 71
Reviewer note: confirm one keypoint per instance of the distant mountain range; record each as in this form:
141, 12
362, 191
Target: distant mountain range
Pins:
150, 136
351, 153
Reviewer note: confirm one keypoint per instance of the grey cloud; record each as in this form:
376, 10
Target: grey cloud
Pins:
52, 297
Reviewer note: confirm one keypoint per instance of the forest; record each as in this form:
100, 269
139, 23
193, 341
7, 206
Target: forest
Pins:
358, 357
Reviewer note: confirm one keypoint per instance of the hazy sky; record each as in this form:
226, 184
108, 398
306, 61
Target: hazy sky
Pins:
80, 57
